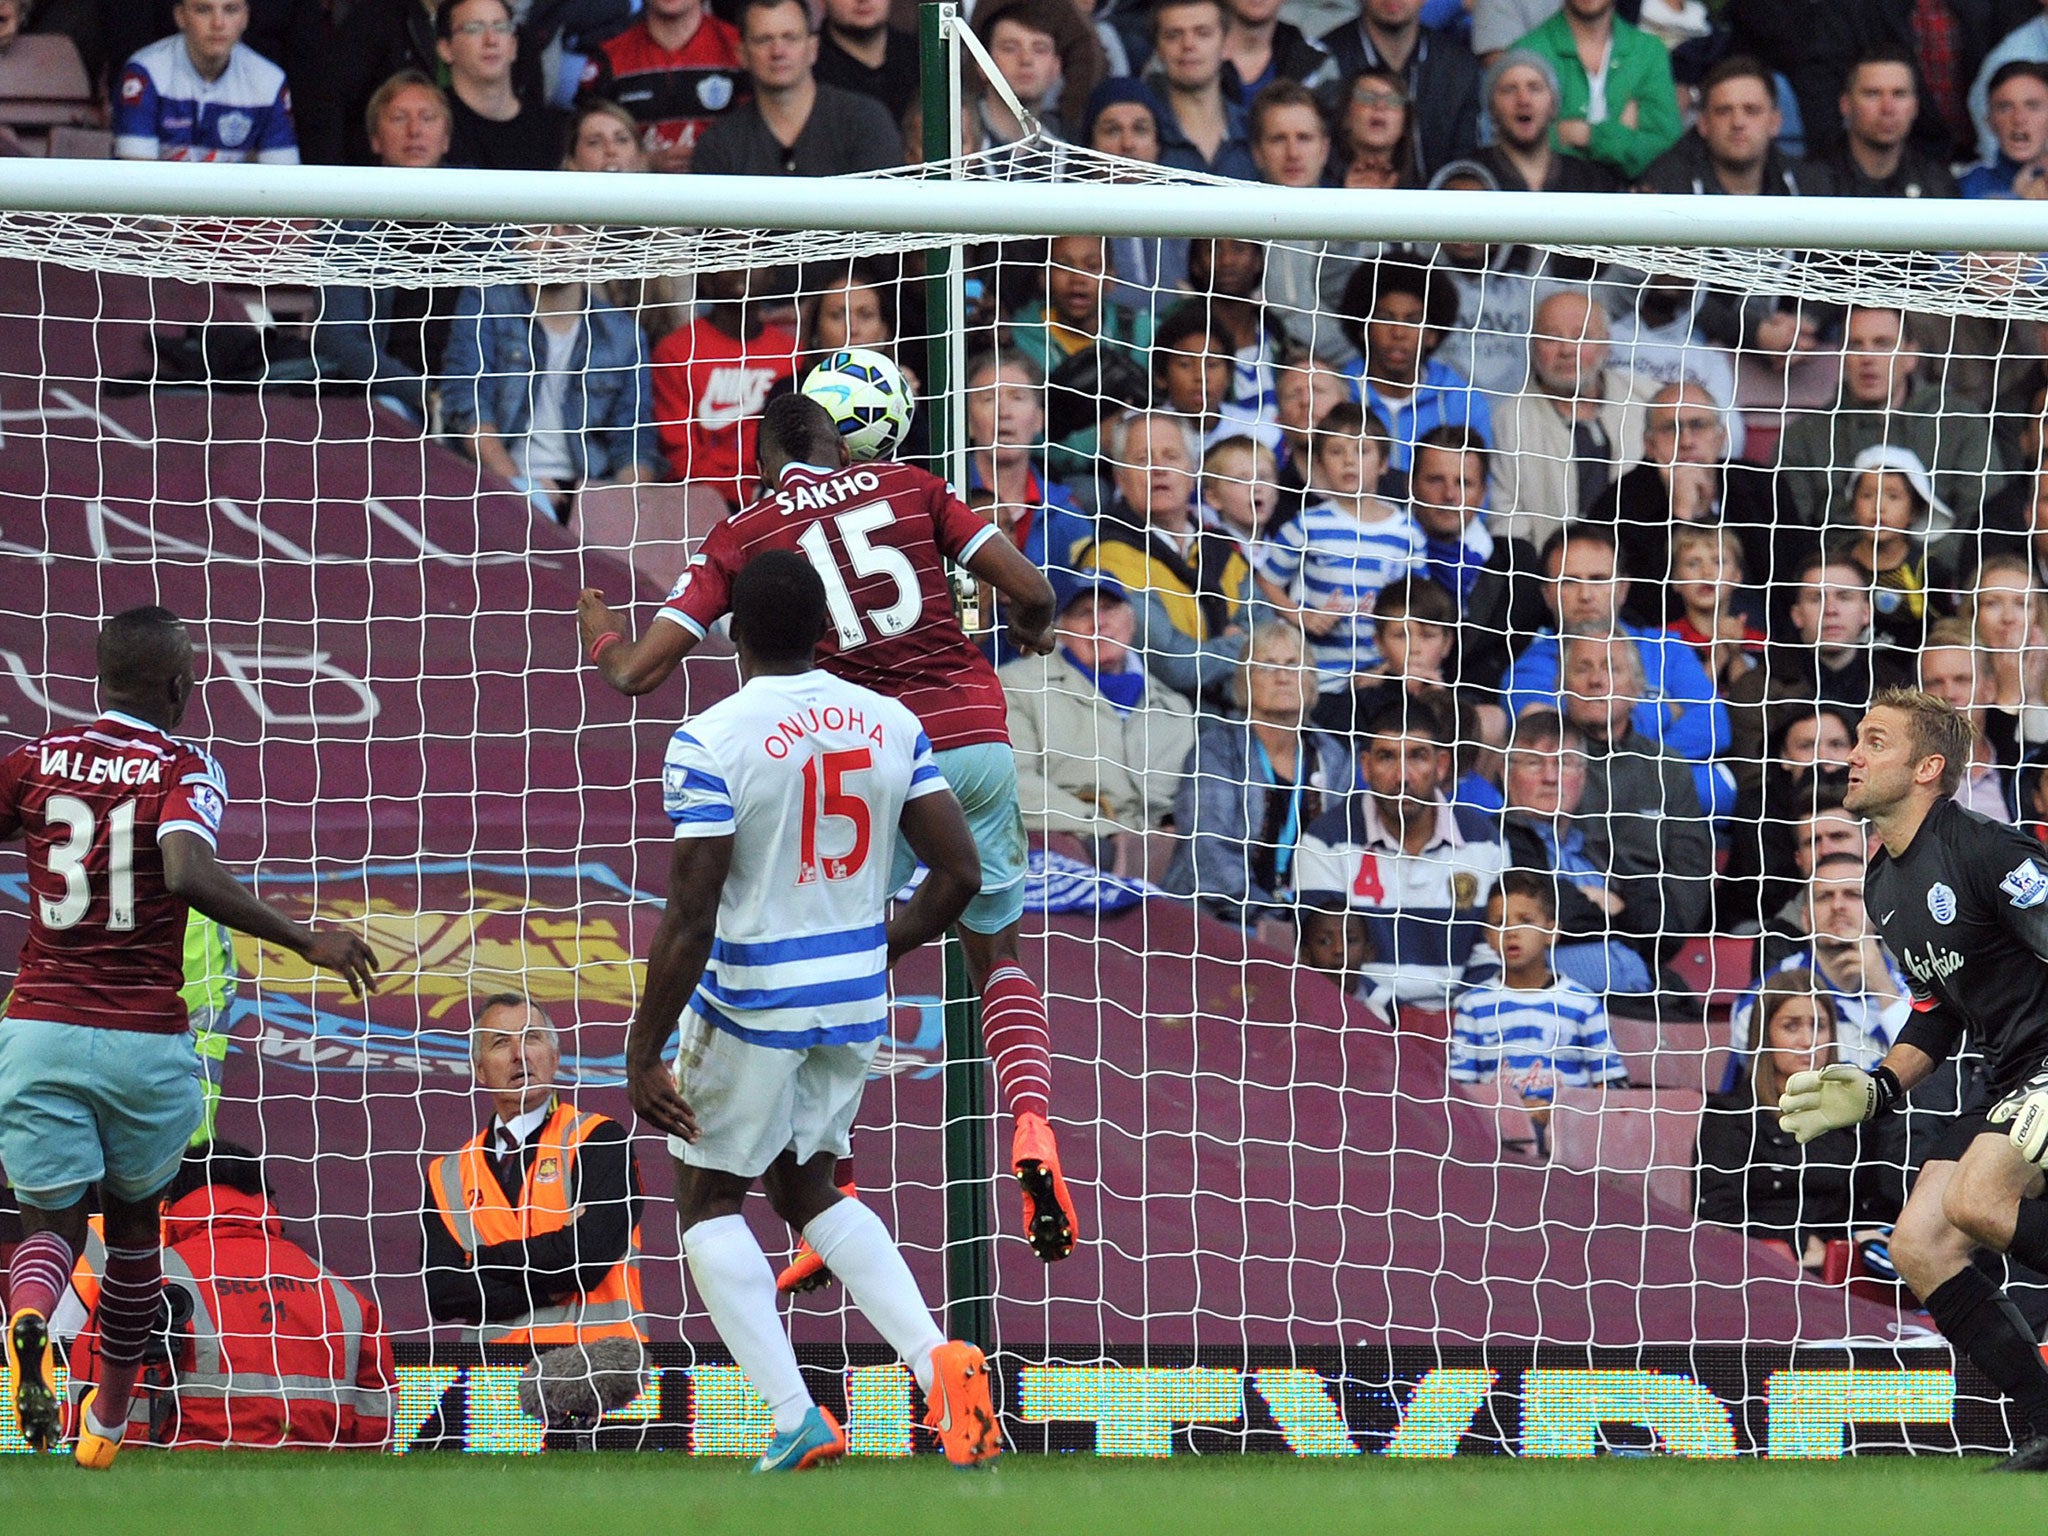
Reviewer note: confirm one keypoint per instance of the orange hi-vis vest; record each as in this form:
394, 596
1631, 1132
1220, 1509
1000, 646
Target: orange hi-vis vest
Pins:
474, 1206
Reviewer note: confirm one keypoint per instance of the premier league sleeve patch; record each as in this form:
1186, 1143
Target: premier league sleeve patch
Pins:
2025, 886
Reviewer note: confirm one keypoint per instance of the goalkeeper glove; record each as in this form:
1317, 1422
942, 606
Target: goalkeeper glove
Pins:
2024, 1113
1815, 1103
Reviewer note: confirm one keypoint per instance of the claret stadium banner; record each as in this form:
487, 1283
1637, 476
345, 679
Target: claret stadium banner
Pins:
1703, 1402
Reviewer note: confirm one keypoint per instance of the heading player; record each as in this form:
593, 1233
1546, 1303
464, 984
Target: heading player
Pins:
878, 535
99, 1083
774, 954
1961, 902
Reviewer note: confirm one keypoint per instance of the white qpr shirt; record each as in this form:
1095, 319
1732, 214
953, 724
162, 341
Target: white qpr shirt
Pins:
808, 774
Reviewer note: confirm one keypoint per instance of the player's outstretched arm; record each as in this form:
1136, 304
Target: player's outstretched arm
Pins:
193, 875
1025, 590
632, 666
675, 964
936, 829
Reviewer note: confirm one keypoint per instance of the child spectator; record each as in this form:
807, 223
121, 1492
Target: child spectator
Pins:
1323, 569
1240, 490
1892, 502
1706, 573
1077, 312
204, 94
1336, 945
1194, 373
1531, 1029
711, 379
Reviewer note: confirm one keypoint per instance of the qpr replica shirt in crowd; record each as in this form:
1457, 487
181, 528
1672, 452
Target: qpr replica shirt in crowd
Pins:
164, 109
673, 93
878, 536
106, 938
808, 775
1964, 910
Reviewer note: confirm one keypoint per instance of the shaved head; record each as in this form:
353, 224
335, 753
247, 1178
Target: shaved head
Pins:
142, 653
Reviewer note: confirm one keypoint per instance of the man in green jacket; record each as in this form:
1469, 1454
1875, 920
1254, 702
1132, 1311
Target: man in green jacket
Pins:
1619, 106
210, 973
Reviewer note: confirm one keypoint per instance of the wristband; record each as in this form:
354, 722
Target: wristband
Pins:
597, 646
1885, 1091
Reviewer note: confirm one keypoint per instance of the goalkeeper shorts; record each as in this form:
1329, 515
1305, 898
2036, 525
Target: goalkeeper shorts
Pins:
755, 1102
81, 1106
983, 778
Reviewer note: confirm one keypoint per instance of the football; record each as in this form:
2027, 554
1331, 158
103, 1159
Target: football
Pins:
866, 395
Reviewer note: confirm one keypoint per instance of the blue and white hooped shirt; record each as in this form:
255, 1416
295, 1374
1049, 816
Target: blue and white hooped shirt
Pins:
165, 109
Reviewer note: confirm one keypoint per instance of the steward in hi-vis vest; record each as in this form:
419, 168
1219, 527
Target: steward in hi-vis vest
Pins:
548, 1236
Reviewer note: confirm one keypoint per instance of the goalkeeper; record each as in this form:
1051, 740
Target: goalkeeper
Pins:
1961, 901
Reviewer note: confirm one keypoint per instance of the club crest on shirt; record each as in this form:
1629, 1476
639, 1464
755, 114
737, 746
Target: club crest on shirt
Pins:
233, 128
2025, 886
1941, 901
1464, 889
715, 92
547, 1171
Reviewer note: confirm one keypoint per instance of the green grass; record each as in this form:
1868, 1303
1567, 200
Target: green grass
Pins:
252, 1494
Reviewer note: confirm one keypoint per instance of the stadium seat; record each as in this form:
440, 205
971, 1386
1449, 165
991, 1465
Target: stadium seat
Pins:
1652, 1132
43, 87
72, 143
1672, 1054
1519, 1140
654, 527
1719, 969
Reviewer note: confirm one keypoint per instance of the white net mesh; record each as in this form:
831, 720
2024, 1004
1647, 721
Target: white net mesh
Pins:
1300, 1111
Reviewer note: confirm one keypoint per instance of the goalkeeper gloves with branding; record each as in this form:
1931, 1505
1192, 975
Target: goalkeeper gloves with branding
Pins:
2024, 1114
1815, 1103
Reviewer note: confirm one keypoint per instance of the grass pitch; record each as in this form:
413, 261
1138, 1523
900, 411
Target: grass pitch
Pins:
254, 1494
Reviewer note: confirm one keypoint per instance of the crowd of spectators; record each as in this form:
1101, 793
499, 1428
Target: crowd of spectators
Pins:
1481, 624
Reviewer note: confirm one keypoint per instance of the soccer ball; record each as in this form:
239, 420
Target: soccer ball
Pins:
865, 394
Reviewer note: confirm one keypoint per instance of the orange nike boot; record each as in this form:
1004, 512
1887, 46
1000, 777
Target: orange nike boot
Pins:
960, 1409
807, 1272
1050, 1225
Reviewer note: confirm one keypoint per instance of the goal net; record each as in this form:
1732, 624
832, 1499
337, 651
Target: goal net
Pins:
1563, 571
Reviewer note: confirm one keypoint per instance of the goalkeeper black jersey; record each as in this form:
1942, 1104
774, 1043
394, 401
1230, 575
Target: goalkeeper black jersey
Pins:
1965, 913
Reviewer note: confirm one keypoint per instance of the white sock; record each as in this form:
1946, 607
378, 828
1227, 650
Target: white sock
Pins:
738, 1289
857, 1248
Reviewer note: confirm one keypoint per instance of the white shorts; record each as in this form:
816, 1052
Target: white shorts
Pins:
755, 1102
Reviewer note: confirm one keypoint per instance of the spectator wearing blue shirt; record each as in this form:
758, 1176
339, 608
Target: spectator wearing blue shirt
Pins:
1679, 711
1531, 1030
551, 386
2016, 165
1641, 814
204, 94
1200, 127
1397, 314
